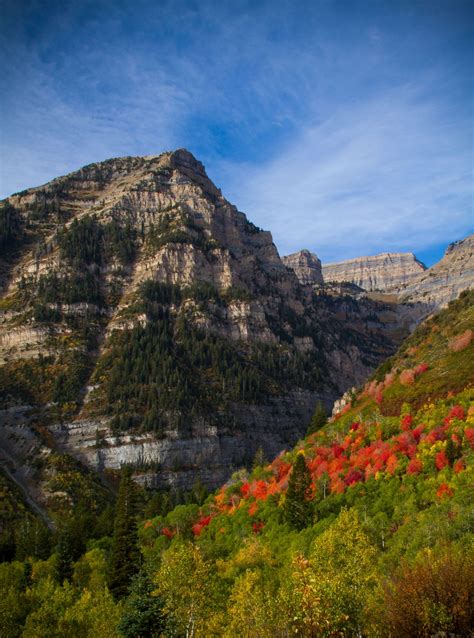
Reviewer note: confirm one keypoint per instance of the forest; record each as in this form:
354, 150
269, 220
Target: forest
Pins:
365, 528
170, 370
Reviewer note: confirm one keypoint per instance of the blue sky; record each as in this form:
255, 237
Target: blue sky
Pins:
344, 127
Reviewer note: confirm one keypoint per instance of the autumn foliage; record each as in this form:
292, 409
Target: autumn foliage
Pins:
434, 595
460, 342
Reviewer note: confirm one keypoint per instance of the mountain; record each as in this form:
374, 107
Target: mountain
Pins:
363, 528
387, 272
403, 275
145, 321
306, 266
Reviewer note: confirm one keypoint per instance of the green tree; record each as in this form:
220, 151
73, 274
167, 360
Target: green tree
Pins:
328, 592
125, 555
70, 546
14, 604
94, 614
298, 508
47, 620
192, 593
254, 609
259, 458
32, 539
318, 419
142, 612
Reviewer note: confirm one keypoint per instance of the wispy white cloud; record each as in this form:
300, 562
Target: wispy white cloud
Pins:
391, 173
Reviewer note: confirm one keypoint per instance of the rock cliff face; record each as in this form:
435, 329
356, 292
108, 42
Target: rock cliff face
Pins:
306, 266
401, 274
147, 321
387, 272
444, 281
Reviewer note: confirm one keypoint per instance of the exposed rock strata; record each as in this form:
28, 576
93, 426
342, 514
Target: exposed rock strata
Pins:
208, 454
445, 280
306, 266
387, 272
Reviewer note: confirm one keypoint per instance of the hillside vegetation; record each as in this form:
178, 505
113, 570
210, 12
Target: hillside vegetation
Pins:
365, 528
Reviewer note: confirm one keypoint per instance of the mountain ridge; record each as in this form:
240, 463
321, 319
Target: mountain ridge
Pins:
399, 274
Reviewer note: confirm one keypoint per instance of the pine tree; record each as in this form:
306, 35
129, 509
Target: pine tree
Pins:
318, 419
259, 458
71, 543
125, 556
298, 508
142, 612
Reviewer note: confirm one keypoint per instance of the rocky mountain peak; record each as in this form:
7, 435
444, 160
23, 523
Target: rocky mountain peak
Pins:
306, 266
461, 245
445, 280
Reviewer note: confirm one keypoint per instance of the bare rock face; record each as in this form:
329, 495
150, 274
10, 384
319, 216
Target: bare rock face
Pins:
444, 281
208, 453
306, 266
148, 322
387, 272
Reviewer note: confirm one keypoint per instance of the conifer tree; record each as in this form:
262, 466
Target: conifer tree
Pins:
318, 419
142, 612
69, 547
259, 458
125, 557
298, 508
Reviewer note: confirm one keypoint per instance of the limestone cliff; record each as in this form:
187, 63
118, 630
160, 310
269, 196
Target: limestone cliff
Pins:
444, 281
387, 272
306, 266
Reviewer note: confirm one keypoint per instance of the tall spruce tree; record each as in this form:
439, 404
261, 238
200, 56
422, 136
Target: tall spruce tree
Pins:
142, 611
298, 508
318, 419
70, 546
125, 556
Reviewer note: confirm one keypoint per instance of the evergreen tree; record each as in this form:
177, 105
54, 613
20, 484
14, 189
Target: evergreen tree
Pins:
125, 557
318, 419
298, 508
259, 458
71, 543
143, 611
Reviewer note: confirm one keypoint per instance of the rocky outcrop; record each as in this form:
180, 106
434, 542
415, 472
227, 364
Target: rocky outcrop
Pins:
445, 280
208, 454
387, 272
306, 266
